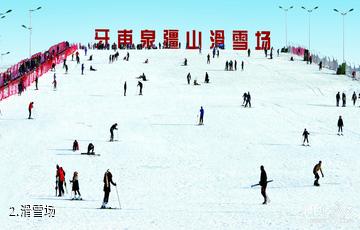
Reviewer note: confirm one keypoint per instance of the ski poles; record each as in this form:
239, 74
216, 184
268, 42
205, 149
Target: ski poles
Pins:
117, 193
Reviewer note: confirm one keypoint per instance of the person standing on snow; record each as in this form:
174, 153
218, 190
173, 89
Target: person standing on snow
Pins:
201, 120
343, 100
263, 184
75, 186
317, 168
31, 106
242, 65
125, 88
60, 175
306, 137
54, 83
208, 59
82, 68
248, 100
188, 77
112, 128
141, 86
354, 98
207, 80
107, 180
340, 125
338, 99
36, 83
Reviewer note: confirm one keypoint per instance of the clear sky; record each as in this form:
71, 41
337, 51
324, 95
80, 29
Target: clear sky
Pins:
75, 21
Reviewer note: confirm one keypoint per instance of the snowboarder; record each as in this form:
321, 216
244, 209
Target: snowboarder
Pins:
92, 69
31, 106
75, 146
337, 99
91, 149
340, 125
354, 98
107, 180
82, 68
317, 168
125, 88
188, 77
201, 120
263, 183
248, 100
141, 86
60, 175
208, 59
75, 186
207, 78
195, 82
306, 137
112, 128
343, 100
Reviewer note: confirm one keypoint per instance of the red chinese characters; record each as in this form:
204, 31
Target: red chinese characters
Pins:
217, 37
125, 38
147, 38
263, 40
240, 39
193, 44
105, 35
171, 39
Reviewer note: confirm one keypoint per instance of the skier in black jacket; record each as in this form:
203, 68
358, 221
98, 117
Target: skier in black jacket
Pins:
125, 88
340, 125
343, 99
263, 183
337, 99
354, 98
107, 180
112, 128
141, 86
306, 136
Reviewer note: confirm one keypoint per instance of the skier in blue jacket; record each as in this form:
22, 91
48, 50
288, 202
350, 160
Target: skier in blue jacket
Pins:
201, 121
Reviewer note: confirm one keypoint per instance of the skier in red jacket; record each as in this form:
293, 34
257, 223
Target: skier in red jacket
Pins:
31, 105
60, 177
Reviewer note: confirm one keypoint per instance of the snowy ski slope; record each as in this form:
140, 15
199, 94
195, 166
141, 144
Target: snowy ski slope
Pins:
171, 173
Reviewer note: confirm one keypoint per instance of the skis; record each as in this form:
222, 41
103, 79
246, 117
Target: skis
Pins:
109, 208
259, 184
90, 154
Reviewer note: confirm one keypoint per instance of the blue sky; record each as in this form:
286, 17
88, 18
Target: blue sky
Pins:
75, 21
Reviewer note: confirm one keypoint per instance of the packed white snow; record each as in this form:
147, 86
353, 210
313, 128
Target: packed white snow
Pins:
170, 172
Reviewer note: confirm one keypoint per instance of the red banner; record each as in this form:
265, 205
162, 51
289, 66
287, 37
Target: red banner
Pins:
29, 78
